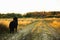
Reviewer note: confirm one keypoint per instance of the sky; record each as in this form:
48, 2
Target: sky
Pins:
23, 6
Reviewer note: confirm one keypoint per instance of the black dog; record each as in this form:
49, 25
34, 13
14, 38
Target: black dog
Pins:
13, 25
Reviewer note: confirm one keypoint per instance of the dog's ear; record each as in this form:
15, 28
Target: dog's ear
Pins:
15, 18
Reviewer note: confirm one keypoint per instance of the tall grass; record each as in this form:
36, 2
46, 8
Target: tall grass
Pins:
3, 29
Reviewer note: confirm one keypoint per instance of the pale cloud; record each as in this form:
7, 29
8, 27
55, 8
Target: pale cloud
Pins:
23, 6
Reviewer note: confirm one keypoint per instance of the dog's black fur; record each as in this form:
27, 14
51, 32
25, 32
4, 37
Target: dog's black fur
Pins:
13, 25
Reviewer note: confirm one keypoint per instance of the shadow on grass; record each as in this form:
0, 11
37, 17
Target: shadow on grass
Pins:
3, 29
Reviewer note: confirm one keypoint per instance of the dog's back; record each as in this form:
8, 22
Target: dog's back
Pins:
12, 24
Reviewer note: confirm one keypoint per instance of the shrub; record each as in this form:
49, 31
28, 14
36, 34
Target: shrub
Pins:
3, 29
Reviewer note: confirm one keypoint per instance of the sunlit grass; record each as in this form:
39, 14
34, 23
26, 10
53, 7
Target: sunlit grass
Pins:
22, 22
37, 28
54, 22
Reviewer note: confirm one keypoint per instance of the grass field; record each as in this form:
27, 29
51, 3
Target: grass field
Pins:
21, 21
42, 24
54, 22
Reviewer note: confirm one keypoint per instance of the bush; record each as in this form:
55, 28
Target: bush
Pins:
3, 29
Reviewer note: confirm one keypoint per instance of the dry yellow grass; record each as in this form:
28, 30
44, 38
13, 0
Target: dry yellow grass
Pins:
55, 24
25, 21
37, 27
5, 23
21, 22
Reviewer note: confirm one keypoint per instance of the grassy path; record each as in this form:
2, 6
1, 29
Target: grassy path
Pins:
21, 33
47, 32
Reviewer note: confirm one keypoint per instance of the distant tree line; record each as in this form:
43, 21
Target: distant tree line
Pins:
42, 14
32, 15
10, 15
